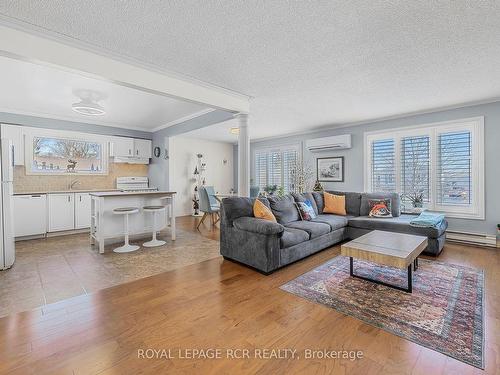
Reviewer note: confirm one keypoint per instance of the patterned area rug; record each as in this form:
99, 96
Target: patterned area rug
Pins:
444, 312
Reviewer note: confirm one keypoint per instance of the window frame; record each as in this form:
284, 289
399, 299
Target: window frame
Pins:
277, 148
475, 125
69, 135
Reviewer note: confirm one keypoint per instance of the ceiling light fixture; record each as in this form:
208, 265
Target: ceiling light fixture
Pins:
234, 131
88, 107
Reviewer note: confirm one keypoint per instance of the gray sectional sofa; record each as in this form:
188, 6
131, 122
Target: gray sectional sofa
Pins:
267, 246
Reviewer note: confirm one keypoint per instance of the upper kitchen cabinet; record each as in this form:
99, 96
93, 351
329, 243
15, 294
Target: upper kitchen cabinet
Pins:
130, 150
16, 135
121, 147
142, 148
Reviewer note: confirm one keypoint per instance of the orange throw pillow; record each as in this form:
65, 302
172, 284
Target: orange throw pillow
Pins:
334, 204
261, 211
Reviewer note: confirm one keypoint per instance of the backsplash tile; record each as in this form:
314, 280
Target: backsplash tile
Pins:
28, 183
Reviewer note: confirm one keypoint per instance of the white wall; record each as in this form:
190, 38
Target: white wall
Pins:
183, 161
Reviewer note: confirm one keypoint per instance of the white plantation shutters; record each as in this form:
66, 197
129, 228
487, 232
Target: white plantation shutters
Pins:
274, 166
415, 166
383, 173
443, 162
454, 168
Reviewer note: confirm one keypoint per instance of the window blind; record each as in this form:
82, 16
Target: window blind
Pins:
454, 171
415, 167
383, 171
276, 167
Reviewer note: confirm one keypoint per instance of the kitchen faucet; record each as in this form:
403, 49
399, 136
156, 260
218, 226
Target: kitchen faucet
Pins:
73, 183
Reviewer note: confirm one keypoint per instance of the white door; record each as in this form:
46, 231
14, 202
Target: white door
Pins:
122, 147
61, 212
30, 215
143, 148
82, 210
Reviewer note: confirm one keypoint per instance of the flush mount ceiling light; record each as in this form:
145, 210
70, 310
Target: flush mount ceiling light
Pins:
88, 105
235, 131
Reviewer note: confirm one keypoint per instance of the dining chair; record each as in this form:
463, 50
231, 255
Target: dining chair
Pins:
208, 205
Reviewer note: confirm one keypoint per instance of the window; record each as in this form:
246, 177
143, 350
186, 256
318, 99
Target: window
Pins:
440, 164
275, 167
54, 155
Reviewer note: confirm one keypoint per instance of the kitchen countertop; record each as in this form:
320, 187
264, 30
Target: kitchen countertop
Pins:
66, 191
128, 193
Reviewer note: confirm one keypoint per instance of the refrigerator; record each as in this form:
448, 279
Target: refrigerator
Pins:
7, 247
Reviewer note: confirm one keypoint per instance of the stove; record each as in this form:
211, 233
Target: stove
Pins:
133, 184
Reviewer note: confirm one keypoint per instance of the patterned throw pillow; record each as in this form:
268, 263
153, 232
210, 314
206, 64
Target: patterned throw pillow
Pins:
306, 210
380, 207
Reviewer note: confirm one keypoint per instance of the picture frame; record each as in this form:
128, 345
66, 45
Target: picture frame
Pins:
330, 169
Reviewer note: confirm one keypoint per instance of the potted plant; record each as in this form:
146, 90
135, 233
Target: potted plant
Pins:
416, 199
270, 189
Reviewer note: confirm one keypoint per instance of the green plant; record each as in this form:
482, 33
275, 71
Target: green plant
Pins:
281, 191
416, 198
270, 189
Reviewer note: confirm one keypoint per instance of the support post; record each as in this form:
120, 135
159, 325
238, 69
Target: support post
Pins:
243, 156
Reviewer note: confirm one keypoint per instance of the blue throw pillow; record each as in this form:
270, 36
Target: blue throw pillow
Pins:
306, 210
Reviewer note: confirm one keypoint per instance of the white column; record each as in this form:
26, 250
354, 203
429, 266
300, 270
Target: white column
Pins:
243, 156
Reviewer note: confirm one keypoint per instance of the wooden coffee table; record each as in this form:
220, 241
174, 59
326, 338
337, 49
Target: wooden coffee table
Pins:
389, 249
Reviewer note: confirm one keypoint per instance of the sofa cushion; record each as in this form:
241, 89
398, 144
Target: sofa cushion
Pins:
235, 207
334, 221
259, 226
352, 201
394, 197
284, 209
302, 197
320, 203
399, 224
292, 237
313, 228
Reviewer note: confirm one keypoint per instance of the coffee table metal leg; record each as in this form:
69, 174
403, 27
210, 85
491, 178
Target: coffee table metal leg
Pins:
410, 278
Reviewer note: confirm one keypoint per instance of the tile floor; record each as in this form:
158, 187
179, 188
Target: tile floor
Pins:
53, 269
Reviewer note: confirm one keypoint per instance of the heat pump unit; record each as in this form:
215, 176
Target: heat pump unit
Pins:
338, 142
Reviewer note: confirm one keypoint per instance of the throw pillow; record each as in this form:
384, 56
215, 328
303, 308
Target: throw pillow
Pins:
380, 207
334, 204
306, 210
261, 211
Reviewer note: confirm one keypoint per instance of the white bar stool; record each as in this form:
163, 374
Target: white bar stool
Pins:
154, 210
127, 247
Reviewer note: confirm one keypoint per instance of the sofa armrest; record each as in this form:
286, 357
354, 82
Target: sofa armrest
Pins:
261, 226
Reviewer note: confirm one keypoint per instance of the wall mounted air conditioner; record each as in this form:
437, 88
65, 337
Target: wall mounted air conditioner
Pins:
338, 142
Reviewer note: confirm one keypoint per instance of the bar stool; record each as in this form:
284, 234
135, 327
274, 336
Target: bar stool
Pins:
127, 247
154, 210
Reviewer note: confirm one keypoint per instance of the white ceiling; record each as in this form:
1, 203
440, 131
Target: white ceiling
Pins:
219, 132
307, 63
39, 90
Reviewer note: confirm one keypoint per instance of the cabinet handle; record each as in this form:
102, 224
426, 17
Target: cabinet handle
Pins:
137, 152
80, 198
129, 151
69, 198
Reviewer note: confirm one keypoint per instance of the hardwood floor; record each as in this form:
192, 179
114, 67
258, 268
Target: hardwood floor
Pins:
220, 304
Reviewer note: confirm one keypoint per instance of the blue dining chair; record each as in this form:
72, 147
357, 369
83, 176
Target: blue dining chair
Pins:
208, 205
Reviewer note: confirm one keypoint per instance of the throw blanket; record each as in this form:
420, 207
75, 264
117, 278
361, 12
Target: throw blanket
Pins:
427, 220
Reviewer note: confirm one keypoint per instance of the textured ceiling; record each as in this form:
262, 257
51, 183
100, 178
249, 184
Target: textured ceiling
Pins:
307, 63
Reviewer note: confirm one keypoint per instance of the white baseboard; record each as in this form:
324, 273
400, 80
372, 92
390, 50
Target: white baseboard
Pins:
472, 238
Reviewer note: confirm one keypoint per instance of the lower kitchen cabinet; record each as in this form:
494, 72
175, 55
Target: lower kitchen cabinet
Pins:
61, 212
82, 210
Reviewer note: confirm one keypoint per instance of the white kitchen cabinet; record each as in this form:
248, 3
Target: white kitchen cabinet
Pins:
82, 210
61, 212
122, 147
16, 135
142, 148
30, 214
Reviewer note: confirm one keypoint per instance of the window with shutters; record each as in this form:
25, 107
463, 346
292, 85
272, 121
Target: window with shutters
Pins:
441, 164
274, 166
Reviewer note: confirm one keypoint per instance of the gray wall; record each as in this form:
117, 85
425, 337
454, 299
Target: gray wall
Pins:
159, 167
354, 157
40, 122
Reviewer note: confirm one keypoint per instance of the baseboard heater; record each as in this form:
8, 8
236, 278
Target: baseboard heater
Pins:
472, 238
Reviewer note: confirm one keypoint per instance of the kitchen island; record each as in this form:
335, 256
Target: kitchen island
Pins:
107, 226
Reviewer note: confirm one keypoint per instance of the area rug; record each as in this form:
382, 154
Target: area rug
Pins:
444, 313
